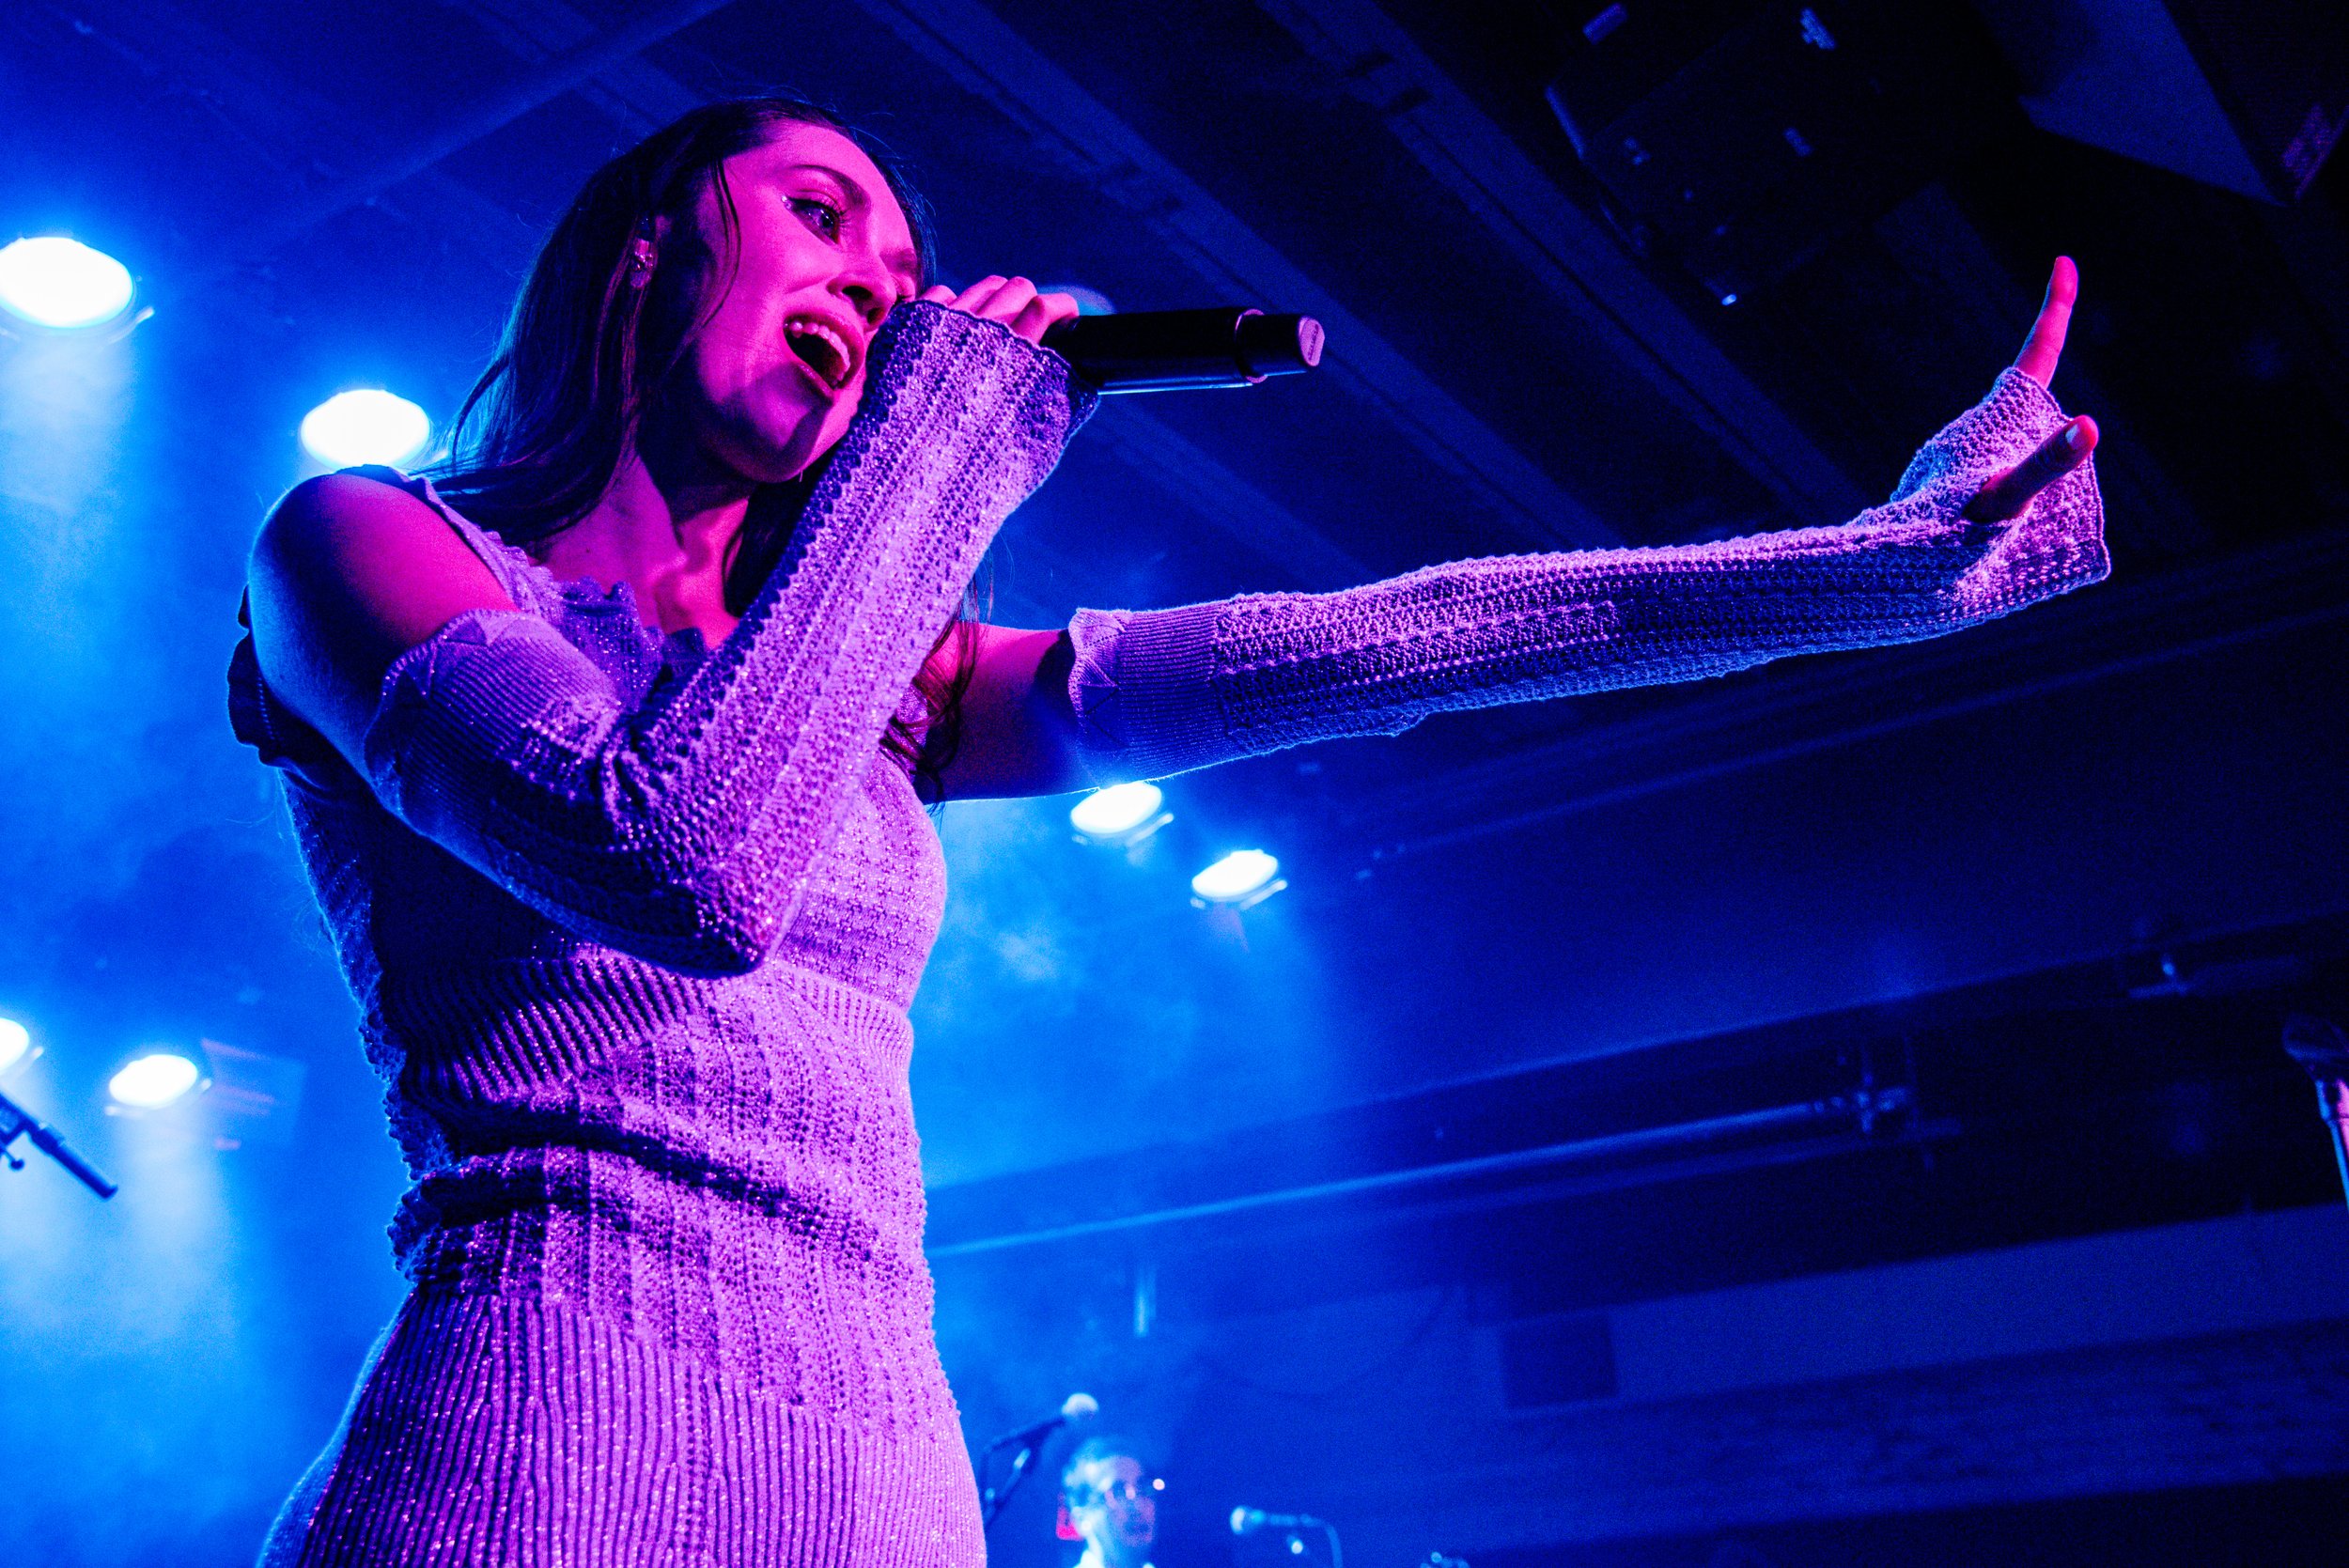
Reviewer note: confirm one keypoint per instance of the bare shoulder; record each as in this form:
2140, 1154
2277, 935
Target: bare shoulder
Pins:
349, 573
339, 521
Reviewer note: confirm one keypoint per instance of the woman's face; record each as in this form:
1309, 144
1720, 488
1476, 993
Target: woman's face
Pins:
824, 254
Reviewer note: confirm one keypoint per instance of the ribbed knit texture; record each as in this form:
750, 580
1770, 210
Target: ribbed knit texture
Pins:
634, 927
1160, 691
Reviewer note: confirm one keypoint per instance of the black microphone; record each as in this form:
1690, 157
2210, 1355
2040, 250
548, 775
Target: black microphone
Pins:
1247, 1521
1166, 351
1076, 1407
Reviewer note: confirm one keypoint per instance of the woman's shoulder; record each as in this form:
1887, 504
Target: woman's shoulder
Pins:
376, 526
349, 571
356, 500
331, 514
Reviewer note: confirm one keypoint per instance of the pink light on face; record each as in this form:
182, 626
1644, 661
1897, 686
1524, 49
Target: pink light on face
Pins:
824, 254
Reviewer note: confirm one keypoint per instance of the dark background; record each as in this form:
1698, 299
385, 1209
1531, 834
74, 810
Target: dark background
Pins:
2077, 1298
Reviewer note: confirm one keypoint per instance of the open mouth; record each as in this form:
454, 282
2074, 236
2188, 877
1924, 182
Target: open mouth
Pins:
822, 349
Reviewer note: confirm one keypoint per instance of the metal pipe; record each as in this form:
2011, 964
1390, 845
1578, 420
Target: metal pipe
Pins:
1864, 1105
16, 1122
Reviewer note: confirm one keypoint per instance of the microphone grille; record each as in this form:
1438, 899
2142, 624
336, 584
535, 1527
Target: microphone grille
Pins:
1309, 339
1080, 1407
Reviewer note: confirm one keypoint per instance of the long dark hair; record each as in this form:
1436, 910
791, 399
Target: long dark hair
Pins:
539, 441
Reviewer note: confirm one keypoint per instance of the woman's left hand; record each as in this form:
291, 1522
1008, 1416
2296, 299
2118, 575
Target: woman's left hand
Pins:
1013, 301
2008, 494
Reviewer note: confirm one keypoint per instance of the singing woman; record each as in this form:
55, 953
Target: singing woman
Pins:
608, 755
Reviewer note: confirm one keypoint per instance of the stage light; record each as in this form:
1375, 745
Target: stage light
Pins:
1089, 302
1122, 813
62, 284
154, 1080
15, 1040
367, 427
1243, 878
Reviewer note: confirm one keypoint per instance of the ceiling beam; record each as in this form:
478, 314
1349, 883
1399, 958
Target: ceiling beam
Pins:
1575, 255
1077, 131
1226, 501
543, 83
292, 129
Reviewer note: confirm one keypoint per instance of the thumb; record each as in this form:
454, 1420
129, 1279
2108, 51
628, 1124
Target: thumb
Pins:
2007, 494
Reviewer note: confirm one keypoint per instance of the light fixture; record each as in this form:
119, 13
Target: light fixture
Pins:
62, 284
154, 1080
16, 1043
1089, 302
364, 426
1241, 879
1121, 814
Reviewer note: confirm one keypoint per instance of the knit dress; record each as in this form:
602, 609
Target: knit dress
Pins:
633, 924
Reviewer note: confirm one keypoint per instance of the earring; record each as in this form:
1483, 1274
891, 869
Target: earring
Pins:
641, 260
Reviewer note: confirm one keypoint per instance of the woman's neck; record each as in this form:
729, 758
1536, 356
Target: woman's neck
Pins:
667, 539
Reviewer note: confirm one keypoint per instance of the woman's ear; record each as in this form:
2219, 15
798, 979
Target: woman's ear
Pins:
1065, 1527
643, 249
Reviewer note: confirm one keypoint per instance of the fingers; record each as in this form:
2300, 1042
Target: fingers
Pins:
984, 298
2044, 346
1044, 313
2006, 495
1014, 301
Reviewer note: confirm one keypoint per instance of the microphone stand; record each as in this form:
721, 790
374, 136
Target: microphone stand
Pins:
1328, 1533
16, 1122
1247, 1521
993, 1499
2321, 1048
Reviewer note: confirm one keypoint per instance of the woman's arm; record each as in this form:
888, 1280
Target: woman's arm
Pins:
682, 829
1997, 512
1018, 734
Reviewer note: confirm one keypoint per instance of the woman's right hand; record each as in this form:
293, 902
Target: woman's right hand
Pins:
1013, 301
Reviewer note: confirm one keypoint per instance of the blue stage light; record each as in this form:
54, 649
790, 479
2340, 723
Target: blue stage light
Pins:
1244, 876
15, 1040
58, 283
1120, 813
153, 1080
1089, 302
369, 427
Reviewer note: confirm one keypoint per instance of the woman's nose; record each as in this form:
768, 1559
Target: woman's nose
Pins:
866, 286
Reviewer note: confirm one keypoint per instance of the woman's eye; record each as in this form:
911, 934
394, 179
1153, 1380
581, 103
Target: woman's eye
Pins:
821, 215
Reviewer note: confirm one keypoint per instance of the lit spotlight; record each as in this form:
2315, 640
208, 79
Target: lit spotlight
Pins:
1243, 878
154, 1080
354, 427
55, 282
1089, 302
1122, 813
15, 1041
